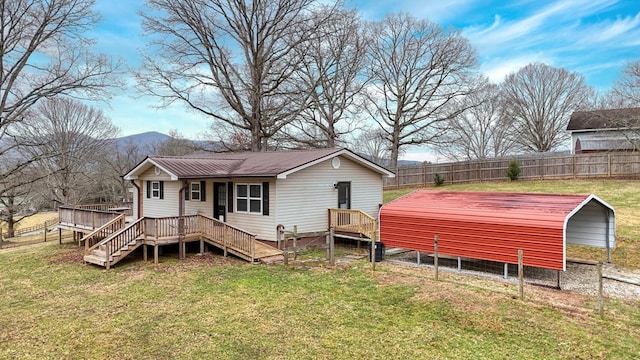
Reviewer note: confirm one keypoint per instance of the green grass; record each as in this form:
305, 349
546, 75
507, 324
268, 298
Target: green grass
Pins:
208, 307
623, 195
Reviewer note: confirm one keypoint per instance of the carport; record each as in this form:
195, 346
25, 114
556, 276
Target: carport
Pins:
493, 226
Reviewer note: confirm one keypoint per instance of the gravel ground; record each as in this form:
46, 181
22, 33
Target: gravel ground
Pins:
581, 278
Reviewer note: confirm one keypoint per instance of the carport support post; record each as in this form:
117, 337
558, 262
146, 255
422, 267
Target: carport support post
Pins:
435, 254
521, 274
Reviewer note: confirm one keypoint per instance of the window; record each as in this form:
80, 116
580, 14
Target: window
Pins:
195, 191
155, 189
249, 198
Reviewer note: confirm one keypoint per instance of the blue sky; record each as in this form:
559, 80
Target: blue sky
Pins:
593, 37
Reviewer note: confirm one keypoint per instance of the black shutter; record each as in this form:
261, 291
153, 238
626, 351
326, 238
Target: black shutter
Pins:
265, 198
230, 196
148, 189
203, 190
187, 190
161, 189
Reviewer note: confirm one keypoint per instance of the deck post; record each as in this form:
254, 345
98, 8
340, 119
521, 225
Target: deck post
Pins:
201, 245
506, 270
295, 242
459, 263
332, 247
155, 253
144, 252
373, 249
418, 260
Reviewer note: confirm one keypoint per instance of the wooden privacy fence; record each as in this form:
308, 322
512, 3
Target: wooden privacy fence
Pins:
538, 167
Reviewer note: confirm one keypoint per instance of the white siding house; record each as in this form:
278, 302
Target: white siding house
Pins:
605, 130
257, 192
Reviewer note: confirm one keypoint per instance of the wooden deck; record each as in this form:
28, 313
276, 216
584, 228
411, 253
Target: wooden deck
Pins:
352, 224
109, 238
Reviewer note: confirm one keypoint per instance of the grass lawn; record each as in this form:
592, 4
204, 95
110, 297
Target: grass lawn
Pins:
54, 307
623, 195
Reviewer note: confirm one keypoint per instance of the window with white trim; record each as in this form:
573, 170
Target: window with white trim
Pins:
195, 190
155, 189
249, 198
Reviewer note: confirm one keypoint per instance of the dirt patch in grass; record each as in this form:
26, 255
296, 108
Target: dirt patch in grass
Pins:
73, 255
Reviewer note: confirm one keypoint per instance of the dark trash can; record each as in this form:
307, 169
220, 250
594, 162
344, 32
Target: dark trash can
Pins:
379, 252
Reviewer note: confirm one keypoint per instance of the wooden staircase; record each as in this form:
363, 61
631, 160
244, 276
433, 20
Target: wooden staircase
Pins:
115, 240
116, 246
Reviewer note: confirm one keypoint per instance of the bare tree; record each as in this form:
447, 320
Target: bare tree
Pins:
372, 144
43, 53
76, 137
230, 60
480, 131
539, 100
626, 90
120, 158
17, 200
417, 70
331, 72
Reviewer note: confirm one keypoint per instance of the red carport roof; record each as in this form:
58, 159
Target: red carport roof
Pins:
484, 225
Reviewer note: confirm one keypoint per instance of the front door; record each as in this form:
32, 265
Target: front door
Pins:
344, 194
219, 200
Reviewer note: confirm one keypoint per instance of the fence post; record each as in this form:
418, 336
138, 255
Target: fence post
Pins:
435, 254
45, 231
600, 295
609, 165
521, 274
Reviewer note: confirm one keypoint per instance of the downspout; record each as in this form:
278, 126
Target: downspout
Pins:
139, 194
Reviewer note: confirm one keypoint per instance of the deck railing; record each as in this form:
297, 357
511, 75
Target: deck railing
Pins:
92, 240
352, 221
124, 207
81, 217
120, 239
166, 227
228, 236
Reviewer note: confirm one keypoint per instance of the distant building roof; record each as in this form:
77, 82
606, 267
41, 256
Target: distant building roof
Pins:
246, 164
604, 119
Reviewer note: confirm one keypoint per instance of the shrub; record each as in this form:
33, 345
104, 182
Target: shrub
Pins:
438, 179
514, 170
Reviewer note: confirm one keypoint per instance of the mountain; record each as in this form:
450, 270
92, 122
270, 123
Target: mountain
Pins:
144, 140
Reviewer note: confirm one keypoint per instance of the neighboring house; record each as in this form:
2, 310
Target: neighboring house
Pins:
605, 130
258, 191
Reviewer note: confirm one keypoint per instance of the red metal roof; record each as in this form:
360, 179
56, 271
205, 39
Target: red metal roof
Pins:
482, 225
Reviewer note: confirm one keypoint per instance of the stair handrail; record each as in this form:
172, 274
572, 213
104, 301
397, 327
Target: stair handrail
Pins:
91, 242
121, 239
236, 243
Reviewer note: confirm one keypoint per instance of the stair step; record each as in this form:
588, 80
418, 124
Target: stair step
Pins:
94, 259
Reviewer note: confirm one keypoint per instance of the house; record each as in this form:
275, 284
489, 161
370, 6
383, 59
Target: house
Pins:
260, 191
605, 130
